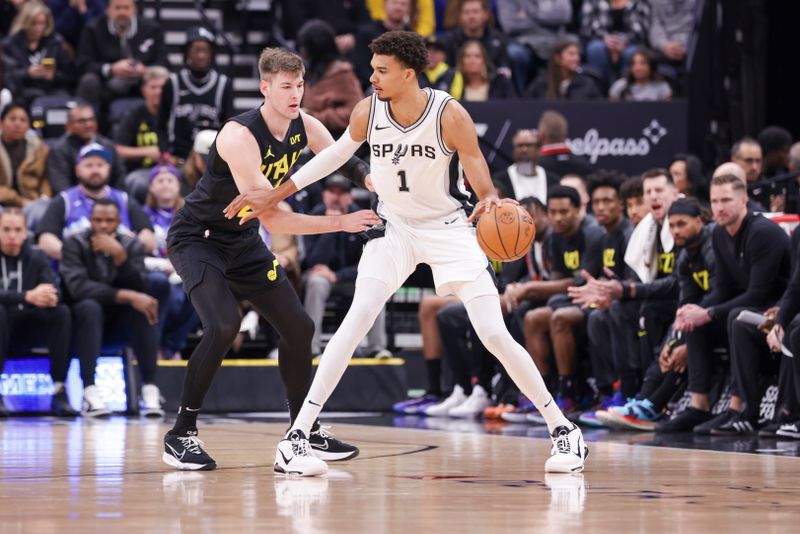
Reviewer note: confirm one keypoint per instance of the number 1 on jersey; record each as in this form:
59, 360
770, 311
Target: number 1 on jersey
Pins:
403, 185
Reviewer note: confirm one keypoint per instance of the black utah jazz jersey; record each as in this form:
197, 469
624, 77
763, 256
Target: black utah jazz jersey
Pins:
216, 189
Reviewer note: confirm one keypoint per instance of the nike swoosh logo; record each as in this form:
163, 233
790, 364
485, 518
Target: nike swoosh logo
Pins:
175, 453
285, 460
451, 222
314, 403
321, 447
381, 127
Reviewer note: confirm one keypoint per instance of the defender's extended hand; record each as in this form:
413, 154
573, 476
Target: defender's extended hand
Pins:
359, 221
252, 204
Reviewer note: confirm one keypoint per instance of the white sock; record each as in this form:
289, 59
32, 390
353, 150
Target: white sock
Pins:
368, 301
485, 315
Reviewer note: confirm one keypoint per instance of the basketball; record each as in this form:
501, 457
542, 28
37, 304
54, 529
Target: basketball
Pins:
506, 233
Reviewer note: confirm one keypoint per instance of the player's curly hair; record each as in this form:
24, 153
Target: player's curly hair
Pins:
407, 47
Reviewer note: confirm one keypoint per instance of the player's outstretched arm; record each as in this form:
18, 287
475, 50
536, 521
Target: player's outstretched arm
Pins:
459, 134
319, 138
262, 199
239, 149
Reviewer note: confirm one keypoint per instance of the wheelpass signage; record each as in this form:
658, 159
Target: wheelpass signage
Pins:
629, 136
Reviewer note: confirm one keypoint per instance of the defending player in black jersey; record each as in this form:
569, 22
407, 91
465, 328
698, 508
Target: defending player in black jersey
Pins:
222, 262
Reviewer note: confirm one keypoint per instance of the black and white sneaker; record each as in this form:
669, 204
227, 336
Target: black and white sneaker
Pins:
186, 453
790, 430
294, 456
327, 448
737, 425
569, 451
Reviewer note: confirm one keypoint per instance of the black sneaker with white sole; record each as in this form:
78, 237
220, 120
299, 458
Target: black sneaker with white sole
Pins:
325, 447
789, 430
736, 425
186, 453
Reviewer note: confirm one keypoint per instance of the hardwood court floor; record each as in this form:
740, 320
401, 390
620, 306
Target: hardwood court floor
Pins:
107, 476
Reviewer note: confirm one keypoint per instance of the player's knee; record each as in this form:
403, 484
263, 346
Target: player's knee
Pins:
428, 308
222, 331
303, 328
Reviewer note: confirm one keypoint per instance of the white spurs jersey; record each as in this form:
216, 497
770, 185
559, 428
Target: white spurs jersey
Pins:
414, 173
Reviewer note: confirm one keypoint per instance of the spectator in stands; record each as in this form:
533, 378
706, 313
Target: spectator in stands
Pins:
31, 310
344, 16
35, 60
632, 194
195, 98
69, 212
524, 178
612, 31
421, 16
195, 164
579, 184
331, 263
331, 89
105, 282
396, 16
474, 24
177, 317
687, 173
671, 25
642, 82
794, 158
746, 153
80, 130
775, 143
481, 81
72, 15
563, 79
534, 28
555, 156
23, 160
137, 134
575, 248
439, 74
114, 52
752, 270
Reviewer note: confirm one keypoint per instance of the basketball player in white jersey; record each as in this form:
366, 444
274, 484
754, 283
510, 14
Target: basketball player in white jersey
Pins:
418, 140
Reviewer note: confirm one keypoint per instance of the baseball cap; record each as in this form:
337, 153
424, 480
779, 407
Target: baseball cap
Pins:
433, 42
203, 141
337, 180
93, 149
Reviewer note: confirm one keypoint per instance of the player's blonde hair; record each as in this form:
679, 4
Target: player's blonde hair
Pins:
275, 60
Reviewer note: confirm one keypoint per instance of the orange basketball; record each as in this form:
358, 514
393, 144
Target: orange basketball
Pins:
506, 233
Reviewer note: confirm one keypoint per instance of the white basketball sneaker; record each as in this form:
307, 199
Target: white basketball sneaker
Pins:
93, 405
456, 398
474, 405
569, 451
295, 457
150, 403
